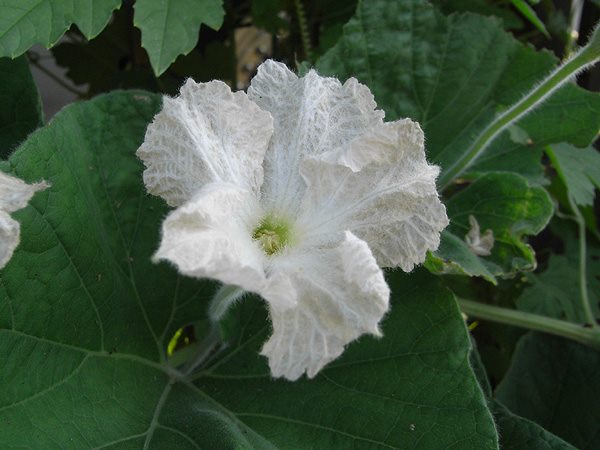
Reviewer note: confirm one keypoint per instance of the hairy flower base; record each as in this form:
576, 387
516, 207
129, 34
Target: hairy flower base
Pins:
352, 194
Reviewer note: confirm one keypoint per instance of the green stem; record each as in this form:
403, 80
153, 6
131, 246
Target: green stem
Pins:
584, 58
574, 25
303, 27
205, 349
579, 333
580, 221
585, 299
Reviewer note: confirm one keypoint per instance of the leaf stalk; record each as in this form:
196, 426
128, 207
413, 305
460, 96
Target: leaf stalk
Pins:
584, 58
580, 333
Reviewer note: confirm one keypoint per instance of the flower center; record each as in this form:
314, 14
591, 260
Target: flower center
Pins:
273, 234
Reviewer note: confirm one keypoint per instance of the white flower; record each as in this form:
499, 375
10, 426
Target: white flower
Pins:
480, 244
14, 195
299, 192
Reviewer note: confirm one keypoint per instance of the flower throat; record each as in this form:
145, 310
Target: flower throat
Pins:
273, 234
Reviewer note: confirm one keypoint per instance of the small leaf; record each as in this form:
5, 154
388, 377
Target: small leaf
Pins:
579, 169
170, 27
554, 382
24, 23
504, 203
454, 257
555, 292
20, 106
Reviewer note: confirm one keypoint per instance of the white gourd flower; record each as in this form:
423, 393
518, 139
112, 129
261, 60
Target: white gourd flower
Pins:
14, 195
297, 191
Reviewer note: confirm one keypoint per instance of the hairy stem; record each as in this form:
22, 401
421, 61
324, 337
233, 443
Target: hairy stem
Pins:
303, 27
579, 333
584, 58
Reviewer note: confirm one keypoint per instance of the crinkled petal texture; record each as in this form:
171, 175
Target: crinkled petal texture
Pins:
14, 195
311, 115
336, 166
357, 194
207, 134
381, 188
341, 294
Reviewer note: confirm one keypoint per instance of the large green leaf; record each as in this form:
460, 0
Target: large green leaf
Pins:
518, 433
554, 382
504, 203
170, 27
412, 389
515, 433
24, 23
20, 106
453, 74
85, 318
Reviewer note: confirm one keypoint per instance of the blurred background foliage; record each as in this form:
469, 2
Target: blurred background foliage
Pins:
292, 31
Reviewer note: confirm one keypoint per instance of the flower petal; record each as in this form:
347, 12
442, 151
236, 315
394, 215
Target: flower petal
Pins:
312, 114
210, 237
381, 188
207, 134
14, 195
342, 294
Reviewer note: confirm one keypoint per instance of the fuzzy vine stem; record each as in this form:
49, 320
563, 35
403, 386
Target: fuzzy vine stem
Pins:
303, 27
584, 58
580, 333
578, 218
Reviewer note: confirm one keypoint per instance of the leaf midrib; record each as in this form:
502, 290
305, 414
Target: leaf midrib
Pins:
174, 376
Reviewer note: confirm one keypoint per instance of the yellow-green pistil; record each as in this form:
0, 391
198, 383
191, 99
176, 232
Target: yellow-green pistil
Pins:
273, 234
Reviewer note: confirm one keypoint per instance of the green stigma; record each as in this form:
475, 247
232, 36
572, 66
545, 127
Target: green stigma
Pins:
273, 234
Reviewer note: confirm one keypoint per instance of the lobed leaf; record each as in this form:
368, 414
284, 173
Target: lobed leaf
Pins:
24, 23
579, 169
170, 27
85, 319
